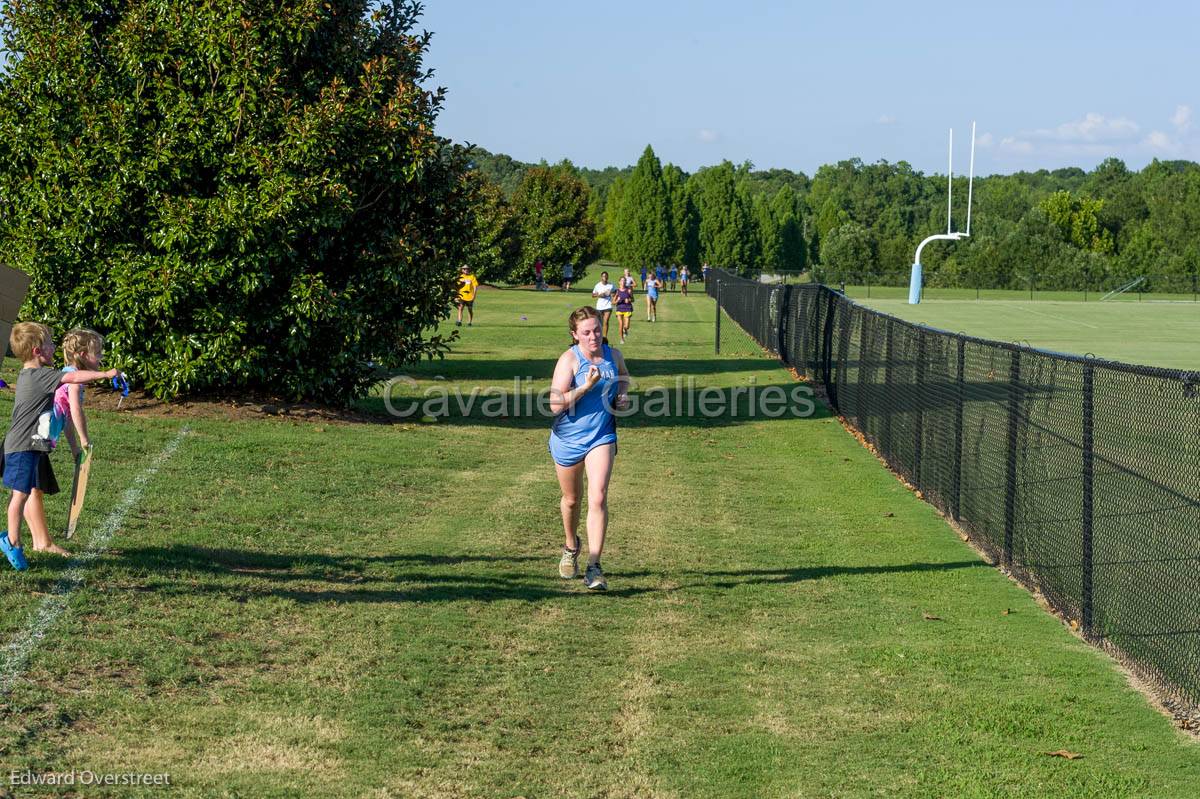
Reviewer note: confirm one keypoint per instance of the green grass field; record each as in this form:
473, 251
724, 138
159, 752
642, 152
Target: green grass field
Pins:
347, 610
1149, 333
860, 292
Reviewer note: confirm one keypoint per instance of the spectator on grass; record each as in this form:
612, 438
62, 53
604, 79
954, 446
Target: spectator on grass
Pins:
603, 292
590, 381
82, 349
467, 286
26, 466
538, 271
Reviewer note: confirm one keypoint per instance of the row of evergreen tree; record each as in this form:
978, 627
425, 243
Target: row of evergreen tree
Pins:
644, 215
1065, 228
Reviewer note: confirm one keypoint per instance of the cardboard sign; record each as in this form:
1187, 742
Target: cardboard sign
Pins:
14, 285
83, 468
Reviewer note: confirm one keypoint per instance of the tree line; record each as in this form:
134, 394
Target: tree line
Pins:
647, 214
1065, 228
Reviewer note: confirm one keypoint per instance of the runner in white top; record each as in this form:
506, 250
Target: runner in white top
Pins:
603, 292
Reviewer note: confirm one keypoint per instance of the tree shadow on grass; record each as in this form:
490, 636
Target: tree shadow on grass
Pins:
410, 578
733, 579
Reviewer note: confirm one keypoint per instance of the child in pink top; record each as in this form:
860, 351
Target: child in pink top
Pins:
82, 349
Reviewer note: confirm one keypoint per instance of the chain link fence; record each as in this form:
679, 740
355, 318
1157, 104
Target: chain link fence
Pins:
1179, 287
1080, 476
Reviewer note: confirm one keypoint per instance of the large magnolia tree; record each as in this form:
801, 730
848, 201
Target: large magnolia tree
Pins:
239, 194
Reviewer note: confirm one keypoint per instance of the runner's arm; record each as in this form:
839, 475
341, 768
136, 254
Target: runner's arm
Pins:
562, 395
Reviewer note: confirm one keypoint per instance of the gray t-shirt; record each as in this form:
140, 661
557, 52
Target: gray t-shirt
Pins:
30, 428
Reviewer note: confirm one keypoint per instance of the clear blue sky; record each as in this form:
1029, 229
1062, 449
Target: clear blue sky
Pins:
797, 85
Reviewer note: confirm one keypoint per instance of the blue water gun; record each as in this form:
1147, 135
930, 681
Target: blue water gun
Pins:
121, 383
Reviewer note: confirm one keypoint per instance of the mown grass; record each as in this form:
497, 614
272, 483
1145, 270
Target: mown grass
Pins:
1152, 334
318, 609
861, 292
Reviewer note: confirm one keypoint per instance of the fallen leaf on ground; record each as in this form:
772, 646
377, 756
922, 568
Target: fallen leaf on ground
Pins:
888, 515
1005, 612
1063, 753
930, 617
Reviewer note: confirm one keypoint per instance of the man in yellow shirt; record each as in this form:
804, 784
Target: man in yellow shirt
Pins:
467, 285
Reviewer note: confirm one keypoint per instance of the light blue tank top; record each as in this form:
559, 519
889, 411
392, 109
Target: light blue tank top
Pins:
589, 422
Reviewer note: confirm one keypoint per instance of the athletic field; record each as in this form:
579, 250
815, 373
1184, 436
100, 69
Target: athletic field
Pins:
1152, 333
278, 607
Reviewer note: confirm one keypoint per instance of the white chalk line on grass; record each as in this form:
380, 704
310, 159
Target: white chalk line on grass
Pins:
15, 657
1055, 318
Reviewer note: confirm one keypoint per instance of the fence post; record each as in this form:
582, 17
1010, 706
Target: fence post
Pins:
960, 390
1088, 496
886, 399
717, 295
827, 347
918, 399
1010, 470
785, 306
866, 346
843, 354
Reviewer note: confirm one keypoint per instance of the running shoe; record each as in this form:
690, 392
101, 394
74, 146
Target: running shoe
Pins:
568, 564
593, 578
15, 555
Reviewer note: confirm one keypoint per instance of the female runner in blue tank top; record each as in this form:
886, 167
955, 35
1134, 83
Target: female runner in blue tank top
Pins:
590, 382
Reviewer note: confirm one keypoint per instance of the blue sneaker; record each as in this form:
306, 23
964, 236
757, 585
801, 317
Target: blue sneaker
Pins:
15, 555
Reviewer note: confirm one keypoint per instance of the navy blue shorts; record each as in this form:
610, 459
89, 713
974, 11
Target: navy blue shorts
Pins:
25, 471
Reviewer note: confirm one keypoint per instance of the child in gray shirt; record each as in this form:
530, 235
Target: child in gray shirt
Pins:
26, 465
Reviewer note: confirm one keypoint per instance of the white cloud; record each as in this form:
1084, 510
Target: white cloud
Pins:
707, 136
886, 119
1182, 119
1162, 143
1092, 129
1013, 145
1097, 136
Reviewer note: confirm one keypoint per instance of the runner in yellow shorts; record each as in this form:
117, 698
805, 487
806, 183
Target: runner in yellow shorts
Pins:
623, 302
